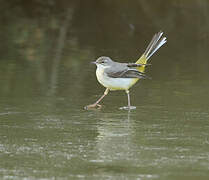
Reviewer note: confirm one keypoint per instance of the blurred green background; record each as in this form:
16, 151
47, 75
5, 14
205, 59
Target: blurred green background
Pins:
46, 79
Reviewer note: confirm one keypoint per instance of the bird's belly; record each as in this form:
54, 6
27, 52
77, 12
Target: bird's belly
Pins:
115, 83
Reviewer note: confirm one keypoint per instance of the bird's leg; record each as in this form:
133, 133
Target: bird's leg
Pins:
97, 102
129, 107
129, 101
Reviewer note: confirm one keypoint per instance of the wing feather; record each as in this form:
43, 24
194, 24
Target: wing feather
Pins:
127, 73
137, 65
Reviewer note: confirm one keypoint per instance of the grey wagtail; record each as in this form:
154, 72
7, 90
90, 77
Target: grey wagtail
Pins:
122, 76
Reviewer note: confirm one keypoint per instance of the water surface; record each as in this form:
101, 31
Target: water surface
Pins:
46, 80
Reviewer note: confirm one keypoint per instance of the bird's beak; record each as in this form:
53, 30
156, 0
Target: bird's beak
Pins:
93, 62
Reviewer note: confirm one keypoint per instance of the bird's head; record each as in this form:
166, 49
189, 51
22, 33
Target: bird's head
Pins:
103, 62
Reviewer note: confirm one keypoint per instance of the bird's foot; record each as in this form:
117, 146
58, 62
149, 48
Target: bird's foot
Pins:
93, 106
127, 107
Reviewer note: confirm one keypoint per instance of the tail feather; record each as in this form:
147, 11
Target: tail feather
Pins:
157, 46
152, 43
153, 46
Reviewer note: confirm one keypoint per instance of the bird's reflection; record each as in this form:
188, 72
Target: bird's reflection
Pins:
114, 142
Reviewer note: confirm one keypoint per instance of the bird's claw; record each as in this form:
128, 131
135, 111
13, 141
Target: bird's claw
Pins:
128, 108
93, 106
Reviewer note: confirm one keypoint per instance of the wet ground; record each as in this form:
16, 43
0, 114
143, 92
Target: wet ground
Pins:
46, 79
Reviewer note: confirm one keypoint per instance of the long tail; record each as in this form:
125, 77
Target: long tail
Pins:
153, 46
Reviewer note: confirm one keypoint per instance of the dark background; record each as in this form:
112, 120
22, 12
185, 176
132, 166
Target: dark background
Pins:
50, 43
46, 79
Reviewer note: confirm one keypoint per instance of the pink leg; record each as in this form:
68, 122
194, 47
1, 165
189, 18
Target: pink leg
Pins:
97, 102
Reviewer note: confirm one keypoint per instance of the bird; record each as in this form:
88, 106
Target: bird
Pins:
122, 76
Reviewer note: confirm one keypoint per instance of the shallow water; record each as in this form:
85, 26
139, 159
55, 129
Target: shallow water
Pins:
46, 80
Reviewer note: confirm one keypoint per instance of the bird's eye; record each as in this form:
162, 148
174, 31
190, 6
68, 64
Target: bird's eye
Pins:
102, 62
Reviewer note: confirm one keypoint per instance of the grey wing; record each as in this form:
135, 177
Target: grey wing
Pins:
136, 65
127, 73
